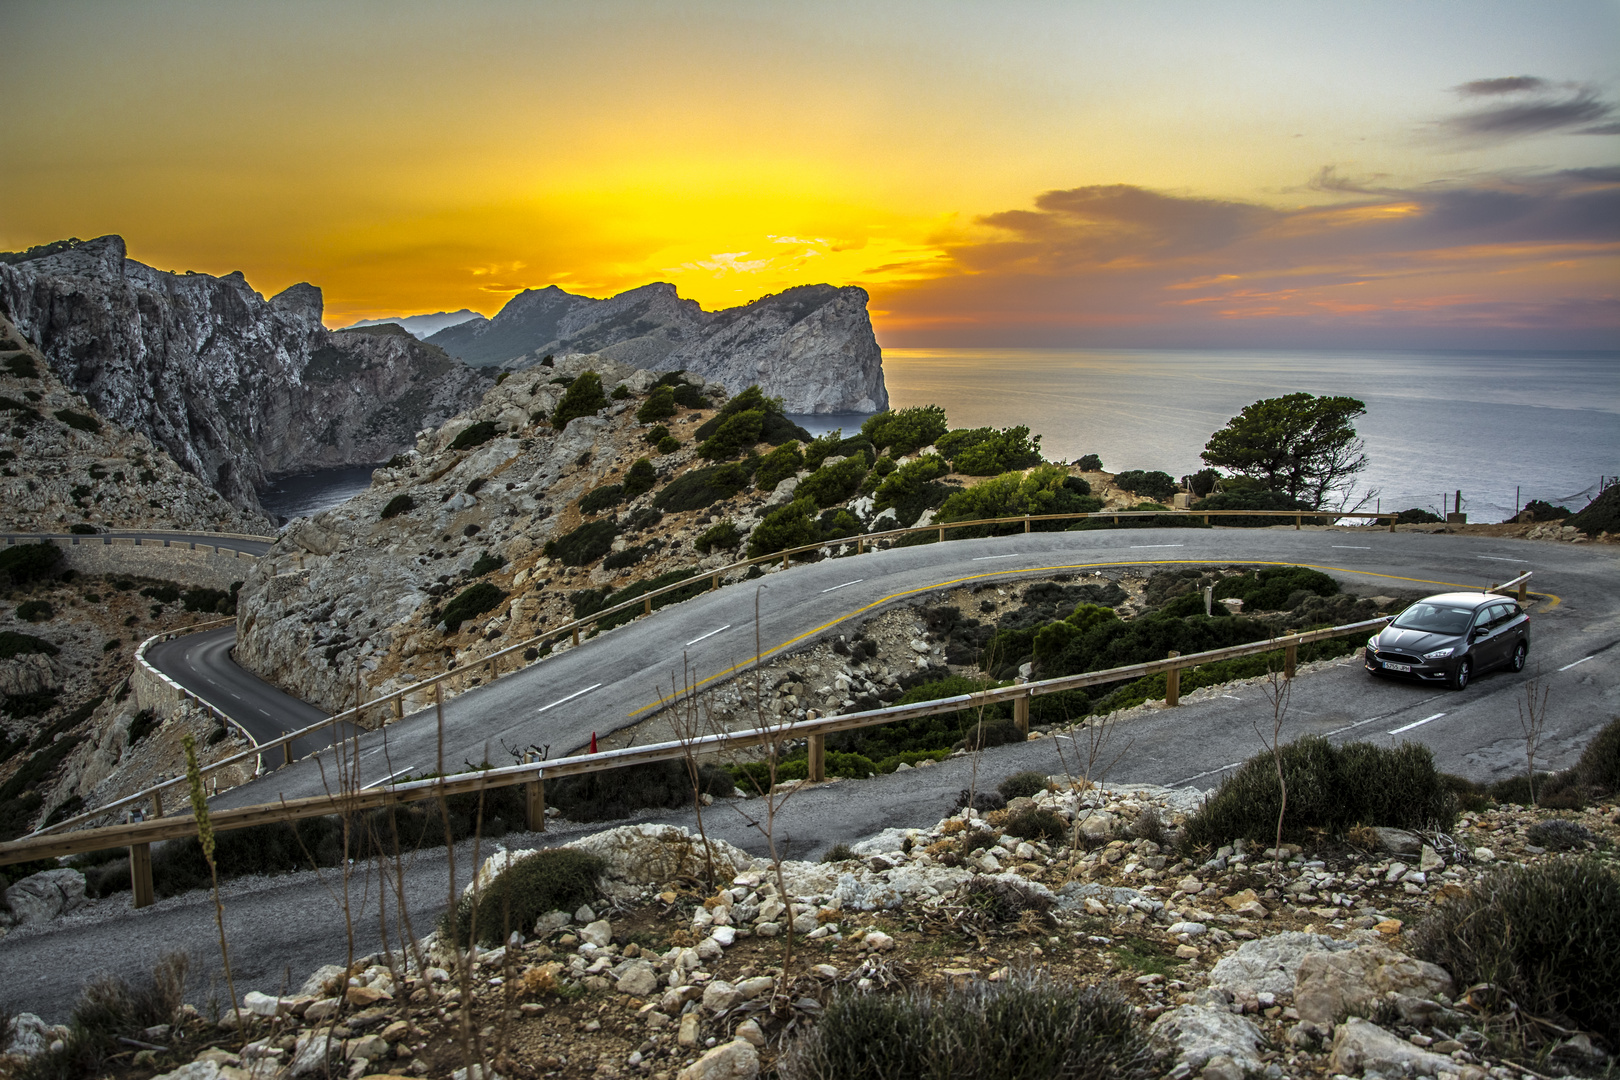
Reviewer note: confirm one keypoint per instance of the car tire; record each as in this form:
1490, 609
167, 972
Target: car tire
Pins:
1516, 661
1461, 673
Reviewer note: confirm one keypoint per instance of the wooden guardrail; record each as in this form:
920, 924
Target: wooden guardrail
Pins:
395, 701
138, 835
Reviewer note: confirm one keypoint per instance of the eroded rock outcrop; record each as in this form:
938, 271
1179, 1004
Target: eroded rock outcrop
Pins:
233, 386
812, 346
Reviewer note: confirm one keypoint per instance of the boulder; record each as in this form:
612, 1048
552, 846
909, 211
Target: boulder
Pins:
638, 979
1195, 1034
1270, 965
1398, 841
1330, 986
27, 1035
736, 1060
311, 1053
1359, 1045
653, 854
41, 897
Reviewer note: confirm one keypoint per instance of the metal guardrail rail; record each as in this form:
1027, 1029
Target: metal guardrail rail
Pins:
396, 700
40, 845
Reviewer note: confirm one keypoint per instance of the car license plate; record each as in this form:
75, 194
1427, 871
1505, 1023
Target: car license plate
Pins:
1396, 667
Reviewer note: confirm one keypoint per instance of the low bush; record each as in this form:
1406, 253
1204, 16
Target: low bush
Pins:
700, 488
629, 556
1599, 765
905, 431
655, 435
1036, 824
1251, 500
487, 563
1329, 787
22, 366
723, 537
80, 528
589, 601
833, 484
778, 465
13, 644
833, 444
1022, 785
23, 563
110, 1009
835, 854
34, 611
668, 444
1150, 485
585, 544
582, 398
913, 488
735, 433
598, 499
1088, 463
998, 899
141, 725
33, 703
618, 793
1561, 834
1415, 515
660, 405
472, 601
558, 879
640, 478
475, 435
1602, 514
1027, 1027
164, 592
1542, 936
78, 420
1045, 489
399, 504
790, 526
1540, 510
1275, 588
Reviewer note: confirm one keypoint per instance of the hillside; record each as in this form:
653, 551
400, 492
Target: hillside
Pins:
812, 346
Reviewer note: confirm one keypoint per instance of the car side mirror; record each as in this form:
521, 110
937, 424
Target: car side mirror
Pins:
1476, 633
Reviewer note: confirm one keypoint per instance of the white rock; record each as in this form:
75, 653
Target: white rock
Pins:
41, 897
598, 933
724, 936
1361, 1045
1191, 929
310, 1054
260, 1004
878, 941
653, 854
638, 979
719, 996
1270, 964
1194, 1034
27, 1035
736, 1060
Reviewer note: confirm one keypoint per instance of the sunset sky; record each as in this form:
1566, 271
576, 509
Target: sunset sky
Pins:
1377, 174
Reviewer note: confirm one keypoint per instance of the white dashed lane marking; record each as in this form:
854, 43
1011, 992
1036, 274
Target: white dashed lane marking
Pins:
570, 697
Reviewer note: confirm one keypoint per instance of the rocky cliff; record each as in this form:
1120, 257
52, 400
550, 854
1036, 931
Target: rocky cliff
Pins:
812, 346
235, 387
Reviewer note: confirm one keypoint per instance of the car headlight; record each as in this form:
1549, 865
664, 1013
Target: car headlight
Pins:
1438, 654
1372, 643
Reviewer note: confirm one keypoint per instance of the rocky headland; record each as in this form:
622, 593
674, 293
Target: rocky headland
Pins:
812, 346
234, 387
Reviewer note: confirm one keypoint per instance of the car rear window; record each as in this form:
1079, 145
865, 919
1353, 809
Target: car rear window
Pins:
1434, 618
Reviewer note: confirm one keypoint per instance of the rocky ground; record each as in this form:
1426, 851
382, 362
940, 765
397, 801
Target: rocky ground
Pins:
86, 470
1247, 962
67, 714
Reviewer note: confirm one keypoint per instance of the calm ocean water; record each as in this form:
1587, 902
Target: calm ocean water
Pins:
307, 494
1436, 421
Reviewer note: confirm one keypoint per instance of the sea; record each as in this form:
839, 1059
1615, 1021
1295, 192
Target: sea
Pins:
1502, 428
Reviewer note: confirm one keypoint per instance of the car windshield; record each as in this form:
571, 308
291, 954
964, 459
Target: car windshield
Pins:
1434, 619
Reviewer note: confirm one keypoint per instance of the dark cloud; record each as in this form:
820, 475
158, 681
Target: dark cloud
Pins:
1541, 112
1513, 84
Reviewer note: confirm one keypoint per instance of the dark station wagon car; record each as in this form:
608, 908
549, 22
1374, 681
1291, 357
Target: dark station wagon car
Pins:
1450, 638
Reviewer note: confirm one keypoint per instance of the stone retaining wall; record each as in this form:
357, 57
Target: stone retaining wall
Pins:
175, 560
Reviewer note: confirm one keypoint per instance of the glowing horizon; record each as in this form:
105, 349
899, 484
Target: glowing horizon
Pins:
1037, 173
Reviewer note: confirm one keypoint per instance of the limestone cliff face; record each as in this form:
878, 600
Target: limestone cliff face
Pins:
235, 387
812, 346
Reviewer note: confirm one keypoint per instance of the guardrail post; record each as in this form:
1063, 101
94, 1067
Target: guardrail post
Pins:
1172, 683
818, 759
1021, 713
942, 534
1026, 523
1290, 659
860, 545
399, 706
140, 874
646, 606
534, 804
1297, 518
157, 804
714, 581
286, 754
576, 635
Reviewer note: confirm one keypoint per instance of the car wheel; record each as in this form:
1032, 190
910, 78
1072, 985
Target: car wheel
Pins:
1519, 651
1459, 675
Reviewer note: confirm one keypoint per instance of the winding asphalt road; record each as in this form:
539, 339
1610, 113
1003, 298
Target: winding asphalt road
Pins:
613, 680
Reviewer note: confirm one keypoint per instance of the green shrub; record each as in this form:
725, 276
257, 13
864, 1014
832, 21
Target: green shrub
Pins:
590, 601
1028, 1027
582, 398
22, 366
552, 880
1275, 588
1088, 463
399, 504
13, 644
790, 526
1152, 485
1036, 824
655, 435
835, 854
1561, 834
905, 431
81, 528
833, 484
141, 725
668, 444
1044, 489
640, 478
1599, 765
833, 444
1251, 500
23, 563
912, 488
629, 556
700, 488
1329, 787
1602, 514
585, 544
487, 563
778, 465
34, 703
1414, 515
608, 796
735, 434
34, 611
78, 420
660, 405
110, 1009
211, 601
164, 592
1022, 785
620, 392
988, 452
598, 499
1543, 936
475, 435
471, 601
723, 536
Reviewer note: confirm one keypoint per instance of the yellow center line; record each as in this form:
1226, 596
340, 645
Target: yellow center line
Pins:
774, 649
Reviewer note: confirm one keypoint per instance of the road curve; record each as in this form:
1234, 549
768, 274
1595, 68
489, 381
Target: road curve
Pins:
287, 925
